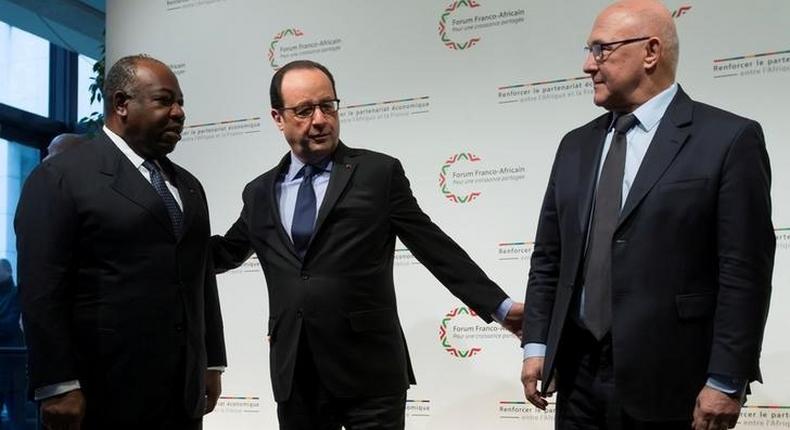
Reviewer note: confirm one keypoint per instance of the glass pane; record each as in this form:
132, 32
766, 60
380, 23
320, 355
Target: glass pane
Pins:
84, 80
24, 70
16, 163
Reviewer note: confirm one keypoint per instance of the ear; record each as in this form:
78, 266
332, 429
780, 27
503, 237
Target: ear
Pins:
278, 118
120, 101
654, 49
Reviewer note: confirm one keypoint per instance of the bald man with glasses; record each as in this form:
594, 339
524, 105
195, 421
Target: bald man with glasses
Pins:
651, 275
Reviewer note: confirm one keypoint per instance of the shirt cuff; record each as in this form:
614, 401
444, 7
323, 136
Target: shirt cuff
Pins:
725, 384
500, 314
533, 349
220, 369
53, 390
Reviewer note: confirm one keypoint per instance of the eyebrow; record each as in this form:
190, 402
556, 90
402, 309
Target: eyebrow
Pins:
168, 91
309, 102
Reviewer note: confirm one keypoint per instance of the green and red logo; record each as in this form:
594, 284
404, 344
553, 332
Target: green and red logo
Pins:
443, 23
443, 174
443, 330
677, 13
288, 32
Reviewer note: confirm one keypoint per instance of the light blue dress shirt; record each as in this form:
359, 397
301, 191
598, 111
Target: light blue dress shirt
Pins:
288, 188
638, 140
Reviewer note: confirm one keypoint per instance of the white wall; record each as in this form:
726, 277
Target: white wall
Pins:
452, 102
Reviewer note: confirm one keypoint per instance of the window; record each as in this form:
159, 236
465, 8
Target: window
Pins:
24, 70
16, 163
24, 86
84, 80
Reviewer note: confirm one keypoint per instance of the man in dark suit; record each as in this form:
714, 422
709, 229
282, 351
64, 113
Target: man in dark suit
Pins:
326, 245
12, 363
119, 299
651, 275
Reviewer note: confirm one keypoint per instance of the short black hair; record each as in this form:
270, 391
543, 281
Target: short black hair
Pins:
275, 90
122, 77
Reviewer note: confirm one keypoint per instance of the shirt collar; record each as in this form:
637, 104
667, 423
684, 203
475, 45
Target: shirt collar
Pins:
124, 147
297, 164
650, 113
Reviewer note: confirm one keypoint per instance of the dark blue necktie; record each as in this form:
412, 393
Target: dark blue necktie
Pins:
304, 212
158, 181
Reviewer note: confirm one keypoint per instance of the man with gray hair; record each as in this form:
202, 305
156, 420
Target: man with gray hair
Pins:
651, 274
119, 299
63, 142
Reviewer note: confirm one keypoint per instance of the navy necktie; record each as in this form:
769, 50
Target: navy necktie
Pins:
158, 181
606, 213
304, 212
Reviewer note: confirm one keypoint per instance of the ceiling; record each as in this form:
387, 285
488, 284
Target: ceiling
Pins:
77, 25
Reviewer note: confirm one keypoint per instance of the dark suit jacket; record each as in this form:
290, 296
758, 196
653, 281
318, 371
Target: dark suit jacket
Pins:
692, 256
10, 332
110, 295
342, 295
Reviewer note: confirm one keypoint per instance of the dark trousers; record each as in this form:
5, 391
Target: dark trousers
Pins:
312, 407
587, 398
167, 423
168, 415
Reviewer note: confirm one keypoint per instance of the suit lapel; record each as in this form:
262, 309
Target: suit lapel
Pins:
342, 170
131, 184
591, 149
672, 133
267, 194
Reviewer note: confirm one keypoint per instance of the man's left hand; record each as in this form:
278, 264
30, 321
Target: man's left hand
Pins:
514, 318
715, 410
213, 389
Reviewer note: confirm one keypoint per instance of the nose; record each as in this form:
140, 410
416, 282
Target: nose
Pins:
319, 117
177, 112
590, 66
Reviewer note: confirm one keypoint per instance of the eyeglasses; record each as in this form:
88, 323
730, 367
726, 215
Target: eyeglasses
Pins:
304, 111
602, 50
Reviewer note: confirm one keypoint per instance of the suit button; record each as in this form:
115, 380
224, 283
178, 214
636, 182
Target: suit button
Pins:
305, 276
620, 241
299, 313
179, 327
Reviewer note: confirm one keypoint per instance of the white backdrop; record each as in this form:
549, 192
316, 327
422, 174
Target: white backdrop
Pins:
473, 97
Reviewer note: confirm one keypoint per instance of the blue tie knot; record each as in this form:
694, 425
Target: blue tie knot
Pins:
307, 171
